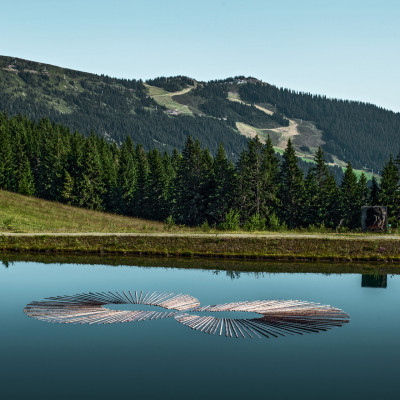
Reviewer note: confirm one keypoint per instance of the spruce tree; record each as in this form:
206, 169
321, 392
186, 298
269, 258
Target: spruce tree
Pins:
25, 183
127, 176
156, 199
390, 193
221, 188
252, 167
91, 186
6, 156
139, 196
321, 193
350, 210
189, 206
291, 191
374, 196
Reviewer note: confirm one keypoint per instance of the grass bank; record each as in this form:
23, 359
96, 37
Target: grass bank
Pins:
49, 227
273, 247
29, 214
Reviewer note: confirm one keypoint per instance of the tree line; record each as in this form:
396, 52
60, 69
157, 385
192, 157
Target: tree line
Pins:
352, 130
261, 191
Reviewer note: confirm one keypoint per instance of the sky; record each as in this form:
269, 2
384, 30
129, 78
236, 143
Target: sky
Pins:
343, 49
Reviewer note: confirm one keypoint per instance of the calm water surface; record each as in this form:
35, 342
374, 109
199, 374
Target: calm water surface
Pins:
164, 359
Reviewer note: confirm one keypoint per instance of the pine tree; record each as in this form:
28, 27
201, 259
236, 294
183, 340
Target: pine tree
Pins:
112, 194
390, 193
25, 183
374, 197
67, 192
91, 186
74, 167
350, 210
221, 188
363, 191
6, 156
139, 196
252, 170
291, 189
270, 180
156, 199
51, 168
189, 207
321, 193
127, 176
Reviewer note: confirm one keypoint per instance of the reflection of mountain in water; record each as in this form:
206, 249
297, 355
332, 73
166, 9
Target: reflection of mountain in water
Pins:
277, 317
375, 281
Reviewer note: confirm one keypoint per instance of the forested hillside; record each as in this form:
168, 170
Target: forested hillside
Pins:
163, 112
195, 187
110, 107
353, 131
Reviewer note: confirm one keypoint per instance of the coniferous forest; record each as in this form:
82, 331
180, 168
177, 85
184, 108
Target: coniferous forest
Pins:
261, 191
114, 108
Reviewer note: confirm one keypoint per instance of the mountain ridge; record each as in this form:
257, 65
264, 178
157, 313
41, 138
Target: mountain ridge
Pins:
162, 112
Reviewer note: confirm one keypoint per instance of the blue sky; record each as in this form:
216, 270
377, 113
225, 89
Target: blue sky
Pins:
345, 49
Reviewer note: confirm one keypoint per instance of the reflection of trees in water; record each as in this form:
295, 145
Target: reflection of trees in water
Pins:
277, 317
7, 263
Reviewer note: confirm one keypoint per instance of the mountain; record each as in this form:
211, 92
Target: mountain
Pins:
162, 112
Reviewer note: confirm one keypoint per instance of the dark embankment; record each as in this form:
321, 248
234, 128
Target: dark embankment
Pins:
310, 248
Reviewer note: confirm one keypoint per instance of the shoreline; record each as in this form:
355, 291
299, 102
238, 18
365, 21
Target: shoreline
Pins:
268, 247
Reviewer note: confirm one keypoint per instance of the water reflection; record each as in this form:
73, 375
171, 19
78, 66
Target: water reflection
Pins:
278, 317
374, 281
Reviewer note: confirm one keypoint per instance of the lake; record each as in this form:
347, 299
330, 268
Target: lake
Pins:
162, 358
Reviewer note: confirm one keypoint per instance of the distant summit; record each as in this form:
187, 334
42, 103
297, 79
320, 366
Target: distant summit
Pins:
162, 112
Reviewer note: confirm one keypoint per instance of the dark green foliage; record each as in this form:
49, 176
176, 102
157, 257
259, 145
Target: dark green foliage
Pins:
193, 188
350, 210
390, 191
321, 194
25, 184
127, 174
171, 84
374, 197
139, 200
222, 188
292, 191
354, 131
234, 111
91, 185
192, 177
157, 189
114, 108
257, 180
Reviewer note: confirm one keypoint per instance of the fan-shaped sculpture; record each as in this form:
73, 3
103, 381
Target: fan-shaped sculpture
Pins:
88, 308
277, 317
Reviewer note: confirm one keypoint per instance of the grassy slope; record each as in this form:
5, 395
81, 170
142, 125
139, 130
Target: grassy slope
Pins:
164, 98
28, 214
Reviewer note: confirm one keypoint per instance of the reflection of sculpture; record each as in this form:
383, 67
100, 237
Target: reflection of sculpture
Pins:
278, 317
376, 281
374, 218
